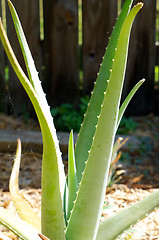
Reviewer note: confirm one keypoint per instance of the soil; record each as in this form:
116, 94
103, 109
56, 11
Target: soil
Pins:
141, 176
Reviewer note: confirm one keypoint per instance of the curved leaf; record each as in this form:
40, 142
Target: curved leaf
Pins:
88, 206
127, 100
53, 177
88, 128
29, 62
23, 208
72, 179
114, 225
18, 226
4, 237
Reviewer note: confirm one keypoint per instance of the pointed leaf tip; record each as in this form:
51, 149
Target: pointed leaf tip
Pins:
43, 237
72, 178
23, 208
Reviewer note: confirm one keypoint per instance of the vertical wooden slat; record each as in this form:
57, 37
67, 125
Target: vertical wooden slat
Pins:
141, 60
61, 50
28, 12
157, 78
2, 67
98, 20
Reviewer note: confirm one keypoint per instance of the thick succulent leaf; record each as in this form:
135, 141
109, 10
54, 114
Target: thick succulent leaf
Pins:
87, 130
34, 79
33, 74
4, 237
72, 179
23, 43
53, 177
18, 226
29, 62
114, 225
43, 237
127, 100
88, 205
65, 201
23, 208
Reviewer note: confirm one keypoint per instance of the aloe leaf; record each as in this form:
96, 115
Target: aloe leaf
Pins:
88, 205
114, 225
34, 79
127, 100
23, 43
43, 237
4, 237
29, 62
18, 226
51, 155
65, 201
53, 177
87, 130
23, 208
72, 179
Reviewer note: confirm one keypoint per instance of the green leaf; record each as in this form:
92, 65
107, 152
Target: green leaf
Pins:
87, 130
53, 176
114, 225
90, 198
65, 201
23, 208
127, 100
29, 62
18, 226
72, 179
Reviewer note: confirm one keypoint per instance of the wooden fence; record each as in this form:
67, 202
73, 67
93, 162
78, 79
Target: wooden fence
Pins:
60, 60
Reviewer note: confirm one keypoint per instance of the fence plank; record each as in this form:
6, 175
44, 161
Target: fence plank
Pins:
98, 20
61, 50
28, 11
141, 60
2, 67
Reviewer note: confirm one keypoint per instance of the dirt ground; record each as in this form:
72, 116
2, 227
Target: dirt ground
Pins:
146, 229
141, 177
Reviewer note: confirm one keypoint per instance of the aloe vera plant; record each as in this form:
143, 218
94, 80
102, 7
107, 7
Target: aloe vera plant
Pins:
71, 206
